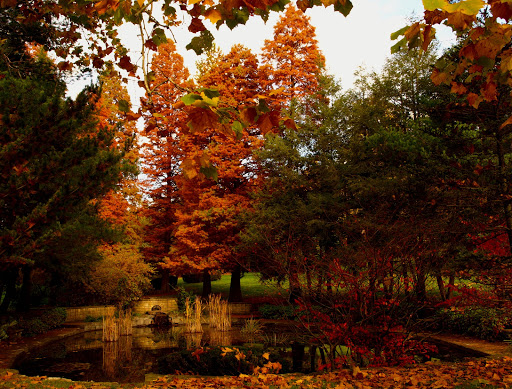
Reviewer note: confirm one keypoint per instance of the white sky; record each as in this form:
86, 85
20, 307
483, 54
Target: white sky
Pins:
361, 39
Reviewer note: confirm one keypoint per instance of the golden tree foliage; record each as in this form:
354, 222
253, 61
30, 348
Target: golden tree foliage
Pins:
122, 275
206, 229
293, 55
162, 152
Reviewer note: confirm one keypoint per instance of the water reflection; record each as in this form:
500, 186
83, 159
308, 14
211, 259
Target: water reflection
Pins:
86, 357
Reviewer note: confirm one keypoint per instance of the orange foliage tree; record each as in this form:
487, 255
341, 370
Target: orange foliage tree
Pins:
206, 230
162, 155
294, 56
122, 275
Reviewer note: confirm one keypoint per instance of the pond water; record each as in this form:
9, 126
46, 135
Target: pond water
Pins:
86, 357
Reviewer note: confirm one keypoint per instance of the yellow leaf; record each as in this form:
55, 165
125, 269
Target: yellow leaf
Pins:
213, 101
474, 100
506, 64
266, 356
506, 122
276, 91
189, 168
432, 5
191, 2
439, 77
141, 2
213, 15
467, 7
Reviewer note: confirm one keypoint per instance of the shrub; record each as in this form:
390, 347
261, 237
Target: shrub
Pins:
483, 323
54, 317
47, 321
182, 297
33, 327
92, 319
218, 361
268, 311
6, 329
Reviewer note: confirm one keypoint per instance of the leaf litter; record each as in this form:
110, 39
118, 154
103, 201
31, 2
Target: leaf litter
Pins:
481, 373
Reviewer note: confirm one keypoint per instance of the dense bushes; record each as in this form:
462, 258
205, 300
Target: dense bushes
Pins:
7, 328
483, 323
276, 312
48, 320
218, 361
182, 298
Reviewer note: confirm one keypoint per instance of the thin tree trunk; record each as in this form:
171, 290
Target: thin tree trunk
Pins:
10, 291
235, 289
165, 287
451, 284
26, 290
207, 284
440, 286
504, 189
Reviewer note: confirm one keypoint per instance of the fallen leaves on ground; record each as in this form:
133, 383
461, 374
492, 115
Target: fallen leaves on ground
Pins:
493, 373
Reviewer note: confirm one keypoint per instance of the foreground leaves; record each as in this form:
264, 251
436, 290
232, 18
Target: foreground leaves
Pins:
477, 373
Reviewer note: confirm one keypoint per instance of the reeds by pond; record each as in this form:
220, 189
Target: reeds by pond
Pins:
114, 327
193, 314
219, 313
125, 322
110, 326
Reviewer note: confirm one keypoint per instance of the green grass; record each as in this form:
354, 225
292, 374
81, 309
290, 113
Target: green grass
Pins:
251, 285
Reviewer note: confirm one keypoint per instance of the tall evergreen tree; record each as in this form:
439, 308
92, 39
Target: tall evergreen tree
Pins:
53, 159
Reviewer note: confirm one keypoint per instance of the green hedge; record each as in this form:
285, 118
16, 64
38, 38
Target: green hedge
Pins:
483, 323
47, 321
275, 312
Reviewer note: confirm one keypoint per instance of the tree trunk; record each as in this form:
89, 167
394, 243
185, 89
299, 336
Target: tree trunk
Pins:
312, 358
297, 356
207, 284
442, 289
451, 284
165, 287
10, 290
504, 186
26, 290
420, 287
235, 289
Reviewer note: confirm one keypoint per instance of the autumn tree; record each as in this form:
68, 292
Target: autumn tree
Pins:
294, 56
121, 276
207, 228
162, 155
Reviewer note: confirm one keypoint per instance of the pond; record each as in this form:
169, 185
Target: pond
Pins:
86, 357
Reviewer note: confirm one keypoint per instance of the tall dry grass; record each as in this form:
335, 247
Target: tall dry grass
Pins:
125, 322
110, 326
193, 315
114, 327
219, 313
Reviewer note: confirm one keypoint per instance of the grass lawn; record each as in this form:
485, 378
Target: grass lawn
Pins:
252, 287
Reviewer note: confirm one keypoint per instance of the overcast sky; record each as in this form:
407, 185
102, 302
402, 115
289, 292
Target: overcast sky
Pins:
361, 39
